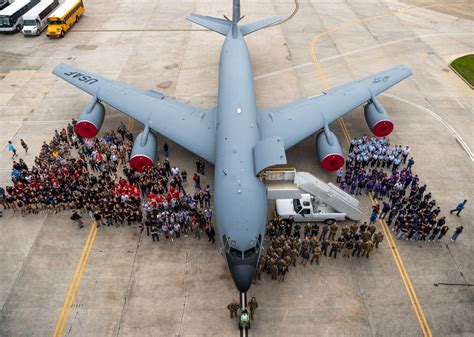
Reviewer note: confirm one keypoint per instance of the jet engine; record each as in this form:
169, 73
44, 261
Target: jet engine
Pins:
91, 119
329, 150
377, 118
143, 151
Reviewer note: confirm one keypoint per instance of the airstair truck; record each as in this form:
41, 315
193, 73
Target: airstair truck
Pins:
308, 199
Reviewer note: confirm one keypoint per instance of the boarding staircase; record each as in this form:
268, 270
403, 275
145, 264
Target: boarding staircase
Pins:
286, 183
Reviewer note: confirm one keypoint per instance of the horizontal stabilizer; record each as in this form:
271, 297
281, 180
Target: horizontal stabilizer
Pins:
220, 26
254, 26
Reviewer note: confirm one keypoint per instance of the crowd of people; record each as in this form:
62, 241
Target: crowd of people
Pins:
170, 211
375, 166
99, 182
290, 244
92, 176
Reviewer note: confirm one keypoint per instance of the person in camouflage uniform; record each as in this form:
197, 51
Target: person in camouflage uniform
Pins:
332, 232
377, 238
367, 248
334, 249
324, 246
316, 254
233, 308
357, 247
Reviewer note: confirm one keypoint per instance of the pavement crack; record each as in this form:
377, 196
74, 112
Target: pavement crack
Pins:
457, 265
185, 293
129, 285
362, 298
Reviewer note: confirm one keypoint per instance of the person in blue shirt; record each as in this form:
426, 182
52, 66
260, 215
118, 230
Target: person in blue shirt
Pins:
12, 149
456, 233
459, 207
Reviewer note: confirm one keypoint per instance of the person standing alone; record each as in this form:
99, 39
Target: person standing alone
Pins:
12, 149
459, 207
456, 233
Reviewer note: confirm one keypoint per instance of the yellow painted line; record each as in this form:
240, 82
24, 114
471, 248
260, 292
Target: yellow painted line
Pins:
397, 263
315, 39
131, 124
344, 131
63, 316
297, 7
394, 249
405, 277
282, 187
280, 169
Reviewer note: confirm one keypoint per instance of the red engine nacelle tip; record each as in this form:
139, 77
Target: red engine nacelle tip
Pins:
383, 128
332, 162
139, 162
86, 129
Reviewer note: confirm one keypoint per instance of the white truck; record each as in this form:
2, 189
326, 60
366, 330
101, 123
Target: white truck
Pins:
308, 199
308, 209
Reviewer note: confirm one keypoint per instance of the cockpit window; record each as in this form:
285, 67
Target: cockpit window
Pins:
235, 252
249, 253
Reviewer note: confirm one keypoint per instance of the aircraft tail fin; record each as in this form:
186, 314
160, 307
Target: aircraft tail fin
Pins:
254, 26
223, 26
217, 25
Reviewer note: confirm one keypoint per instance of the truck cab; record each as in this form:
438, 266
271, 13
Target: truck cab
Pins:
32, 26
308, 209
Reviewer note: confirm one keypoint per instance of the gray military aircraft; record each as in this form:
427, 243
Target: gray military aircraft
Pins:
240, 139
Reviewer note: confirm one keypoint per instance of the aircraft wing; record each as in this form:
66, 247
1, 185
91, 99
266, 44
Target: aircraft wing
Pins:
296, 121
190, 127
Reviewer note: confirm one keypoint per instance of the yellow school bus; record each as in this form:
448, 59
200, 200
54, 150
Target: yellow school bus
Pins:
62, 19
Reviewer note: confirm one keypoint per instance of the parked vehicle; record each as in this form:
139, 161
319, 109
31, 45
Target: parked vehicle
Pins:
4, 4
36, 20
11, 17
64, 17
308, 209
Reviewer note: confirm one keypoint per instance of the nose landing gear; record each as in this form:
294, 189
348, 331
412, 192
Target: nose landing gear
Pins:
244, 318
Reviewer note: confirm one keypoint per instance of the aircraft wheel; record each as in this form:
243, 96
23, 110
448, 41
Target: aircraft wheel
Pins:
329, 221
62, 33
77, 19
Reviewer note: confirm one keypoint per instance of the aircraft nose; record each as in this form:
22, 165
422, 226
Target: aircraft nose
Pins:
243, 276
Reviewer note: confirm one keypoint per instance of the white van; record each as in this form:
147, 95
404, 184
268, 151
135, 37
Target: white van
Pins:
36, 20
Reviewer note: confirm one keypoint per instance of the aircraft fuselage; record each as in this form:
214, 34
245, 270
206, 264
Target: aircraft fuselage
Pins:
240, 197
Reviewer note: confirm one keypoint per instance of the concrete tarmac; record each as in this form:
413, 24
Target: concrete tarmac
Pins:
133, 287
